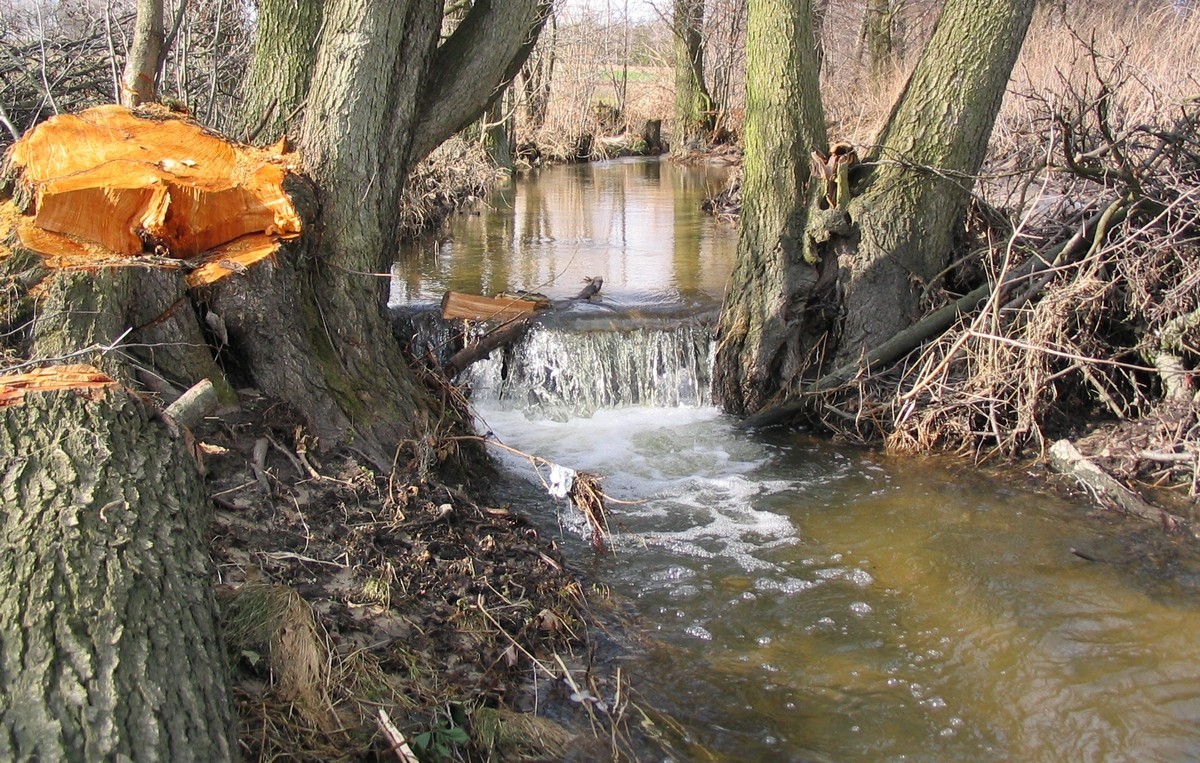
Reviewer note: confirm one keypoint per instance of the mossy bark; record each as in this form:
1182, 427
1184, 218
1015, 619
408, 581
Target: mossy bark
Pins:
816, 288
876, 36
693, 104
377, 104
785, 121
108, 642
276, 83
137, 324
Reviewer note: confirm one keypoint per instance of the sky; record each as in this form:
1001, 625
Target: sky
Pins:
639, 10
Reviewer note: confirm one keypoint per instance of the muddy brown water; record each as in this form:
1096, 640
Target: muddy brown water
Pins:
804, 601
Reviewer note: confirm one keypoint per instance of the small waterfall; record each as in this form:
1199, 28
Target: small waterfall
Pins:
557, 373
579, 363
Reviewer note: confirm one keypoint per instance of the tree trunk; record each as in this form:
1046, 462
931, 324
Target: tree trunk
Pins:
316, 334
537, 77
497, 124
693, 104
817, 287
108, 641
784, 123
276, 84
910, 208
107, 635
876, 36
145, 51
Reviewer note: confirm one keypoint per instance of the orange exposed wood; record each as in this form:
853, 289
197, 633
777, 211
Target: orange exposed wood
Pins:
474, 307
134, 183
234, 257
78, 377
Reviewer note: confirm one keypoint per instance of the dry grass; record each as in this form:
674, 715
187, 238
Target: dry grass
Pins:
457, 174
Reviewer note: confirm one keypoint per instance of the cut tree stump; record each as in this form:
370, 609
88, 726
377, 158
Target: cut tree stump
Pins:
108, 627
126, 227
110, 183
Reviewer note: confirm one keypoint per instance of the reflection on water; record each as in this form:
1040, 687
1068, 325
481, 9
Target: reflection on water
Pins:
811, 603
636, 222
806, 602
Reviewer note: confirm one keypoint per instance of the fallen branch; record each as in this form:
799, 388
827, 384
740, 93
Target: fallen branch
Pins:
482, 348
193, 405
520, 320
1066, 459
396, 741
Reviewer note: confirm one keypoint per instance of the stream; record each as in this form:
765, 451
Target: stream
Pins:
801, 600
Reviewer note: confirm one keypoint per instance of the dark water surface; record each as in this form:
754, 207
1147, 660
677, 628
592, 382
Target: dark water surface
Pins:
804, 601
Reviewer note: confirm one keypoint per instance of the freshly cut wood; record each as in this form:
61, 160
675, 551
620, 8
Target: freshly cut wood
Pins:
474, 307
82, 378
128, 183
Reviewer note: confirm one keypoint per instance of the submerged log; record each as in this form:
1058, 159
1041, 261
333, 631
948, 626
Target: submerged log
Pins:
108, 629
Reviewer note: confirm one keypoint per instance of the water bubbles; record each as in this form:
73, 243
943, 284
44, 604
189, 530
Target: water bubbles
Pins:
861, 608
698, 631
674, 572
763, 640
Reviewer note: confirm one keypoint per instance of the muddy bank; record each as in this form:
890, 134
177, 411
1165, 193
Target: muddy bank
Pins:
346, 592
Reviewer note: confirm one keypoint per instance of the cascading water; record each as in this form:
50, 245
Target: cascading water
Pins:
562, 374
808, 602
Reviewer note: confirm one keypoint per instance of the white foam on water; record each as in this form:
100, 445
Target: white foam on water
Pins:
692, 473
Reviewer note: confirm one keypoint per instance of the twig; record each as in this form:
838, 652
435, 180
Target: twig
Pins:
396, 741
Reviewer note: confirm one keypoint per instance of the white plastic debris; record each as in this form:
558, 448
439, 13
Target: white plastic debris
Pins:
561, 480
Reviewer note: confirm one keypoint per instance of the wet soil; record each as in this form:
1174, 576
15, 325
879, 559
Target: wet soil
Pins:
458, 619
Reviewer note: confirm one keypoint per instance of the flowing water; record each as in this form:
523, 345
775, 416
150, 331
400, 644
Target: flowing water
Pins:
805, 601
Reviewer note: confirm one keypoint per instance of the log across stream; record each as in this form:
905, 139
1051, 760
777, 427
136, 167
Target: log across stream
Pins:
802, 600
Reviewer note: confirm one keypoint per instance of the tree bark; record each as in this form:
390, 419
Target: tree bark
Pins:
785, 121
108, 641
817, 287
145, 51
276, 84
383, 94
876, 36
693, 104
910, 207
537, 78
